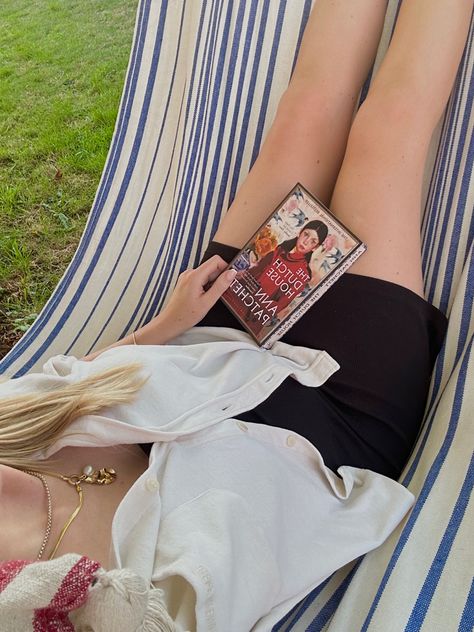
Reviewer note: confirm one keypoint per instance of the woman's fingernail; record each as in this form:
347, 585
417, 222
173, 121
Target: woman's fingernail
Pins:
230, 274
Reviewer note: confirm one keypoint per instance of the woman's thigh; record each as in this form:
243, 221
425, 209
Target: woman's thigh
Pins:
307, 139
379, 188
378, 193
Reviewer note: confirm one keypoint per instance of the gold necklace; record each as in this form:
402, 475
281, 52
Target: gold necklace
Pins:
102, 476
49, 520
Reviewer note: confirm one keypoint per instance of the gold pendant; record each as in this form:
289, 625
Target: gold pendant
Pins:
104, 476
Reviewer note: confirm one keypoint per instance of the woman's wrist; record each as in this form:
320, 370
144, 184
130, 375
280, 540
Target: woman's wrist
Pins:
158, 331
195, 293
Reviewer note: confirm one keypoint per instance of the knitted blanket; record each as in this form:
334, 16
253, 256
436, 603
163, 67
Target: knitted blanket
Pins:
73, 592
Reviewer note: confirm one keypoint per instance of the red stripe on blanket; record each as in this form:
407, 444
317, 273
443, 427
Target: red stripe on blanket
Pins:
71, 594
9, 570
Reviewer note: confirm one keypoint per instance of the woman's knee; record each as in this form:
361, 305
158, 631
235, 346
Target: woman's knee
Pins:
391, 121
307, 111
309, 137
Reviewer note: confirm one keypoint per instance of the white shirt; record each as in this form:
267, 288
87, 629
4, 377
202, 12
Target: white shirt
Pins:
235, 521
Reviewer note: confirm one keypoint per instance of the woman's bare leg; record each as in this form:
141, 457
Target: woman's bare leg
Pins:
307, 139
379, 188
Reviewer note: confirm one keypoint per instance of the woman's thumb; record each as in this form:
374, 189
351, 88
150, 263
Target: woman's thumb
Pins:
229, 275
220, 285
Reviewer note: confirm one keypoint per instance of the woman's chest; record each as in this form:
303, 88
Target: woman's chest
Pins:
83, 511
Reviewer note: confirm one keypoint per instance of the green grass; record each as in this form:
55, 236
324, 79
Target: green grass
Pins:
62, 68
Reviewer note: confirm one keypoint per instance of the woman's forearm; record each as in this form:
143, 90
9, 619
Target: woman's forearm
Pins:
158, 331
195, 293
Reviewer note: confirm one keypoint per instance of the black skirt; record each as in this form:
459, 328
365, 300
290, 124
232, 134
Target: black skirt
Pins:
386, 339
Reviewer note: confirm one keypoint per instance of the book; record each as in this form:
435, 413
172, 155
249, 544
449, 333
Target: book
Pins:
288, 264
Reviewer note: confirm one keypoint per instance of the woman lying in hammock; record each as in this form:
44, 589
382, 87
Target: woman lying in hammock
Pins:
222, 456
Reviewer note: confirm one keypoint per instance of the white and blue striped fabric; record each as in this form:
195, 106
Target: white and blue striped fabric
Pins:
203, 83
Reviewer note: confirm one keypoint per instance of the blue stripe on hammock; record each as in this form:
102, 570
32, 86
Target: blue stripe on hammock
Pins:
209, 85
432, 228
465, 184
123, 116
186, 259
437, 376
231, 143
246, 117
219, 145
329, 608
160, 293
470, 248
430, 584
304, 19
467, 620
243, 135
155, 266
161, 247
198, 223
428, 485
471, 224
231, 134
462, 335
165, 238
294, 615
467, 310
137, 214
440, 192
455, 173
48, 311
396, 17
433, 208
439, 367
250, 95
458, 221
325, 613
96, 213
163, 279
416, 459
442, 167
465, 319
130, 168
266, 93
230, 137
469, 169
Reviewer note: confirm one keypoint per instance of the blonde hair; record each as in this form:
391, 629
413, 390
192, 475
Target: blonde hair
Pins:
34, 421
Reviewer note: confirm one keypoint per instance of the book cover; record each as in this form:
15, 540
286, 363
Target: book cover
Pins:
294, 257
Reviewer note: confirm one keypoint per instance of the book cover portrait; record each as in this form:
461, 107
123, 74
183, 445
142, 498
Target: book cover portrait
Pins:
290, 256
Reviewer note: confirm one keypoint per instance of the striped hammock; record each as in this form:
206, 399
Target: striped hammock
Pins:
202, 87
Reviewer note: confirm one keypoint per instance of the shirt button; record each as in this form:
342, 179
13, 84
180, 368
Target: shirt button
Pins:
290, 441
242, 426
152, 485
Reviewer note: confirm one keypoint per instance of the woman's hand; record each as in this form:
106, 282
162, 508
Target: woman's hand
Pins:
196, 292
